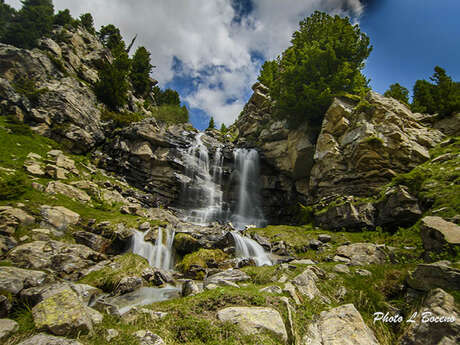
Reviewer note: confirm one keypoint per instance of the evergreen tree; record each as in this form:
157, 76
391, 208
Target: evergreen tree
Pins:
112, 87
111, 38
211, 124
63, 18
140, 72
7, 14
87, 22
166, 97
223, 128
398, 92
33, 21
325, 60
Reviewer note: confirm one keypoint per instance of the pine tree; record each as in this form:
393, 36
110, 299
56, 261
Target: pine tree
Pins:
7, 14
398, 92
33, 21
211, 124
63, 18
140, 72
223, 128
87, 22
111, 38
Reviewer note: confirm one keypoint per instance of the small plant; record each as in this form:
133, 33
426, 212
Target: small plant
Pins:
29, 89
13, 186
58, 63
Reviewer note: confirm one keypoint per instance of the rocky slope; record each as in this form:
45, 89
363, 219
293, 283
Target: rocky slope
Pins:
380, 233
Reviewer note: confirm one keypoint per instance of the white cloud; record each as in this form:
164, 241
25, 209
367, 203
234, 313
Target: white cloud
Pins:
202, 35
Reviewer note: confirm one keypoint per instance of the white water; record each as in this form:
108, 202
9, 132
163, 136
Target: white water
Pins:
203, 190
249, 249
159, 255
248, 209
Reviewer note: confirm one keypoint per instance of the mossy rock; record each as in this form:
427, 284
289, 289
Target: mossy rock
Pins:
203, 258
107, 278
185, 244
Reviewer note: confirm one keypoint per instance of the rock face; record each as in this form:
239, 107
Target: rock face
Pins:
437, 275
438, 234
438, 304
340, 326
255, 319
360, 149
348, 215
64, 314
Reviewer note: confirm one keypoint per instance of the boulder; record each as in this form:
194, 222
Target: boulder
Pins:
64, 314
359, 254
227, 277
72, 192
58, 217
34, 168
128, 284
253, 320
67, 260
343, 325
398, 208
7, 327
306, 285
341, 268
45, 339
349, 215
274, 289
438, 305
18, 215
190, 288
93, 241
14, 280
438, 234
360, 149
148, 338
6, 244
437, 275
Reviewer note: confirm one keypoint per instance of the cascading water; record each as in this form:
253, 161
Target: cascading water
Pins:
159, 255
247, 248
248, 208
203, 189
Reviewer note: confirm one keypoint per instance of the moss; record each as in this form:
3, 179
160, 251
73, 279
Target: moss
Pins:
201, 258
185, 244
107, 278
373, 140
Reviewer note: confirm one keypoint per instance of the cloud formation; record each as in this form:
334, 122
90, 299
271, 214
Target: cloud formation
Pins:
220, 48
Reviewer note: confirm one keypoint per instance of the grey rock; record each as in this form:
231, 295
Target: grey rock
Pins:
148, 338
58, 217
14, 280
190, 288
226, 277
44, 339
5, 306
349, 215
438, 234
362, 254
274, 289
437, 275
324, 238
340, 268
7, 327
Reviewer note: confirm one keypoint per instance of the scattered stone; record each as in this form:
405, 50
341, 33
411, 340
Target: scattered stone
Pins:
437, 305
72, 192
58, 217
340, 293
274, 289
190, 288
64, 314
14, 280
6, 244
56, 172
44, 339
111, 334
363, 272
438, 234
252, 320
324, 238
34, 168
361, 254
306, 285
227, 277
290, 289
436, 275
7, 327
341, 268
347, 215
148, 338
144, 226
303, 262
18, 215
315, 244
128, 284
341, 325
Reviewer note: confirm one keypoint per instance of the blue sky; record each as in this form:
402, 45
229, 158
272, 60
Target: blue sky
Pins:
211, 51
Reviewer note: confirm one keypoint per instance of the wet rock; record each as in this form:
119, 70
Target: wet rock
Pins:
64, 314
7, 327
436, 275
128, 284
341, 325
58, 217
253, 320
44, 339
67, 260
264, 242
148, 338
14, 280
185, 243
439, 235
437, 305
359, 254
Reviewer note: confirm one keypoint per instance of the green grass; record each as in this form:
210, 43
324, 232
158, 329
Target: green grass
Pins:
201, 258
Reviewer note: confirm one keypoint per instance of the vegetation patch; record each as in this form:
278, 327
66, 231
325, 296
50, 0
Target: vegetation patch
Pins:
202, 258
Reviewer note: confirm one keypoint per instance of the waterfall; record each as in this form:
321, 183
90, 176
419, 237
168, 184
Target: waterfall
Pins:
248, 208
249, 249
203, 188
159, 255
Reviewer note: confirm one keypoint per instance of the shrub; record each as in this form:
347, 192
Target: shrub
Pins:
13, 186
28, 88
120, 120
171, 114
